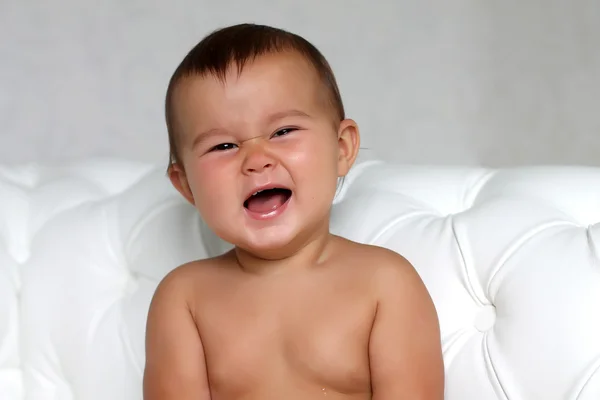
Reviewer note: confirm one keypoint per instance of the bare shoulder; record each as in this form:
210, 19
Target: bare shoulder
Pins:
391, 268
394, 281
183, 281
385, 265
178, 292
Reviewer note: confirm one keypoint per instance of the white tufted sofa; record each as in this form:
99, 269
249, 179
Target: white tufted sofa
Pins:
511, 258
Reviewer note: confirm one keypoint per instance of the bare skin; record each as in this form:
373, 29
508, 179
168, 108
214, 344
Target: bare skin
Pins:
359, 325
292, 312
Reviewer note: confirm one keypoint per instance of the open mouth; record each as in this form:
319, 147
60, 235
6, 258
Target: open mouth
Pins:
268, 200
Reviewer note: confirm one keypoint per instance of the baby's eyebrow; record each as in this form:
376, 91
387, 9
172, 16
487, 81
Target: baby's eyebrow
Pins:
286, 113
205, 135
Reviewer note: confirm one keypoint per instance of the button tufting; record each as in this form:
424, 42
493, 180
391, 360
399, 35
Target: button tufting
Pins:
520, 245
485, 318
131, 284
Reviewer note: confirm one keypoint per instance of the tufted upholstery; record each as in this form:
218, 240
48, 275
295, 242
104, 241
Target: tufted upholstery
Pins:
511, 258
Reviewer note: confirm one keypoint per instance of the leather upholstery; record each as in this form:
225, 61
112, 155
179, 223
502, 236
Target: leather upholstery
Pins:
511, 258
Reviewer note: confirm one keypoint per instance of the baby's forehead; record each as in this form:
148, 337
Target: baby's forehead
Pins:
283, 74
252, 95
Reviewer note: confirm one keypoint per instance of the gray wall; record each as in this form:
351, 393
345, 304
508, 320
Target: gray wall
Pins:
445, 82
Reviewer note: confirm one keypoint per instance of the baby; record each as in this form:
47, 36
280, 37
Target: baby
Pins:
258, 142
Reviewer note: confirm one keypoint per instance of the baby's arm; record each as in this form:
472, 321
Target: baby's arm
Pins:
404, 350
175, 364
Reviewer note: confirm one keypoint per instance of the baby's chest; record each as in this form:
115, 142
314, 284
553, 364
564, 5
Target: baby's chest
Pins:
321, 339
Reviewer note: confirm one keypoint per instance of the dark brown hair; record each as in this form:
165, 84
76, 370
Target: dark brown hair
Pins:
237, 45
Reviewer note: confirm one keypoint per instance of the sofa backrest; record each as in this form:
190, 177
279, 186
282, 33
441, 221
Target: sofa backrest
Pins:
510, 257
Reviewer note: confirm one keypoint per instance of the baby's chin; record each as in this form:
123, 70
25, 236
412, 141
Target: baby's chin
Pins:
264, 244
268, 247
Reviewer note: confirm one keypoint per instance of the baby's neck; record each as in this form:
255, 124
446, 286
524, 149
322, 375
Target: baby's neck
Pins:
313, 253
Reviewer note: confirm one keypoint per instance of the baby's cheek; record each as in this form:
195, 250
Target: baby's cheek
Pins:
206, 199
214, 214
212, 200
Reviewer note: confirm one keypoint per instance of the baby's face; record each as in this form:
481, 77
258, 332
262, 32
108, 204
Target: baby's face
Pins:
269, 128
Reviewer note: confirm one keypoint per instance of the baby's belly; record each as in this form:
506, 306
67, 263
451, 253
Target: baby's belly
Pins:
288, 389
290, 394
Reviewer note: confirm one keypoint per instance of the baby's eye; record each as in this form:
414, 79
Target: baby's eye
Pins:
283, 132
223, 147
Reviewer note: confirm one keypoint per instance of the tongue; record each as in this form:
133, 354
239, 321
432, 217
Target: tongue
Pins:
264, 203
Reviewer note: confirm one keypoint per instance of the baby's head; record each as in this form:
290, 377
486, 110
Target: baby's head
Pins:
232, 48
253, 107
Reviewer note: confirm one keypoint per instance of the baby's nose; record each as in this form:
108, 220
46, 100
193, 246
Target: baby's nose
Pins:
257, 160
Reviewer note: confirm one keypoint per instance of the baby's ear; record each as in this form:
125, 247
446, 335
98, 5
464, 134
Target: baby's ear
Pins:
349, 143
179, 180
